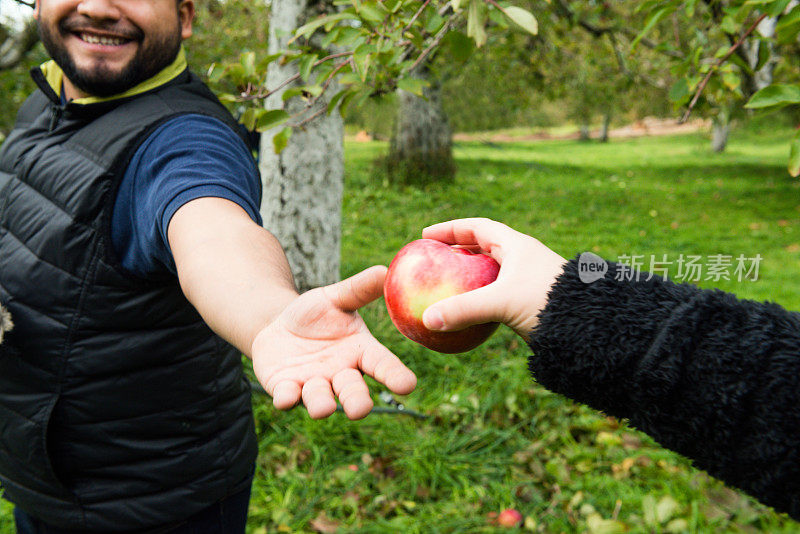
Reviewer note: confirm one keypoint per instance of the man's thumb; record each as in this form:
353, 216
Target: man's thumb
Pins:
460, 311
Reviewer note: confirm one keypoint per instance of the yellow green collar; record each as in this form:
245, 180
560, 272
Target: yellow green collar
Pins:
54, 76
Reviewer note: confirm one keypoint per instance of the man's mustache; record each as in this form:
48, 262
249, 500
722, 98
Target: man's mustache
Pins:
80, 24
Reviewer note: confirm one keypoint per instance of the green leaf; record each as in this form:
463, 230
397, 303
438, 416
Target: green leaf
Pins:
434, 23
777, 7
788, 26
476, 20
268, 119
361, 58
764, 54
350, 37
372, 12
248, 61
281, 139
393, 5
248, 119
523, 19
346, 101
731, 81
215, 73
650, 22
679, 93
649, 511
236, 74
460, 46
775, 95
291, 93
414, 86
666, 508
794, 156
307, 29
306, 65
456, 5
336, 99
330, 37
349, 78
772, 7
729, 25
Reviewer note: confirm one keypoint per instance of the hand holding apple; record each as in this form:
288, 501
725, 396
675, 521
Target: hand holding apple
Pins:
527, 271
426, 271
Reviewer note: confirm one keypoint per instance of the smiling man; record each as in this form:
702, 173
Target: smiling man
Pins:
133, 263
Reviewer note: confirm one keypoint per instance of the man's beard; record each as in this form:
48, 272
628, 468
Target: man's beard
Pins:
100, 81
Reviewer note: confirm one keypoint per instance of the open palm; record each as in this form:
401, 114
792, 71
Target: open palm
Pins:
319, 347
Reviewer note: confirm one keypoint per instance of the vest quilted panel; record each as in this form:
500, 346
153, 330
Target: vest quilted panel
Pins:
119, 408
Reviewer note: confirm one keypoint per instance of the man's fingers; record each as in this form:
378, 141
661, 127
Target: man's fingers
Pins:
379, 363
286, 394
353, 393
318, 398
478, 306
360, 289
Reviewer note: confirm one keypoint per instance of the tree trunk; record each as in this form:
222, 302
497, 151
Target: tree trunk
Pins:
421, 148
751, 49
303, 185
5, 322
17, 44
719, 132
606, 127
585, 132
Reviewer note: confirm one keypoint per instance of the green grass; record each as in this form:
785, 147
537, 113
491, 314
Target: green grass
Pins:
493, 438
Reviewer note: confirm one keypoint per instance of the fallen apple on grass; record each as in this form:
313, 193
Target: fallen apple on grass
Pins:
509, 518
426, 271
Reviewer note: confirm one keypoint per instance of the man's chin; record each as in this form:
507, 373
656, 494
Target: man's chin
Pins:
103, 86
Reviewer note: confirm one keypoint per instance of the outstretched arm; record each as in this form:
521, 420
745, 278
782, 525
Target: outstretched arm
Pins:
304, 348
708, 375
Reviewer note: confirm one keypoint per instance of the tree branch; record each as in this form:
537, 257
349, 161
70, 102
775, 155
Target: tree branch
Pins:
599, 31
416, 16
262, 95
436, 40
623, 67
717, 65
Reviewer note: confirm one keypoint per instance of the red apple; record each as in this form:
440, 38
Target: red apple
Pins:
426, 271
509, 518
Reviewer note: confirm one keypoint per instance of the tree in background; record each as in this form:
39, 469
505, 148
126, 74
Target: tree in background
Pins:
725, 53
18, 39
421, 146
323, 58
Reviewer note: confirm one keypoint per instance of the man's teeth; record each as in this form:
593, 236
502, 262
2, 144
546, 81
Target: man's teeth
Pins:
94, 39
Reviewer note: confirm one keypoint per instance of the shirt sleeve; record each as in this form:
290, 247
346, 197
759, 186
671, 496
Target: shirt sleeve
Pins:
188, 157
711, 376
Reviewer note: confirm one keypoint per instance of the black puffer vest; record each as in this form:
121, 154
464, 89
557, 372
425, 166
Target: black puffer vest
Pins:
119, 408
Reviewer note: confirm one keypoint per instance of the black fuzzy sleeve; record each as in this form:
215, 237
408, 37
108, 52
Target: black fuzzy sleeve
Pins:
708, 375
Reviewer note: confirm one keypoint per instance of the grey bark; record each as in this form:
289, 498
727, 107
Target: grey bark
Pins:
303, 185
606, 126
5, 322
751, 50
719, 132
17, 44
585, 132
421, 147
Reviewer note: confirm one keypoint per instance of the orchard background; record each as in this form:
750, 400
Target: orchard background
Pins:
520, 111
